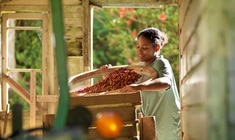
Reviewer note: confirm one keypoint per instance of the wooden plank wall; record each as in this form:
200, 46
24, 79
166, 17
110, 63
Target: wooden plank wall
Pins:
24, 5
73, 26
193, 72
76, 18
204, 74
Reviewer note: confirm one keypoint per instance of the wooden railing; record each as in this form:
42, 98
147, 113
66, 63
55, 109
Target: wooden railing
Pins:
28, 96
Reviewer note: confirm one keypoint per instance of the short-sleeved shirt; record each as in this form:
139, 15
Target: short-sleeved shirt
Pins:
164, 105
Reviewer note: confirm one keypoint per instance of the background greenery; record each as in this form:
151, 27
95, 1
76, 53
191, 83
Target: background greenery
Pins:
114, 32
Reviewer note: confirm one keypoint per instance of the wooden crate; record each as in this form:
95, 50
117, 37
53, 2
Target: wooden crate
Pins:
125, 104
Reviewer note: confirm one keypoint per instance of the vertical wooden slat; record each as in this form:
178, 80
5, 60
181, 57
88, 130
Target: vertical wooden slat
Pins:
147, 128
51, 72
44, 54
86, 33
32, 98
6, 119
4, 62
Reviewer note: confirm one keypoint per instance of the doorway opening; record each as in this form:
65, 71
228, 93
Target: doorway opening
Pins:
115, 29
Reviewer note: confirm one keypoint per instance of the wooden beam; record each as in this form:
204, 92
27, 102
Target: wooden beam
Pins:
24, 16
47, 98
71, 2
26, 2
25, 28
45, 54
86, 33
4, 95
131, 3
106, 99
21, 91
23, 70
24, 8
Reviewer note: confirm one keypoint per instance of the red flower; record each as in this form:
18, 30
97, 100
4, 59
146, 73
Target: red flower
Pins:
162, 17
122, 12
128, 22
134, 33
131, 10
133, 17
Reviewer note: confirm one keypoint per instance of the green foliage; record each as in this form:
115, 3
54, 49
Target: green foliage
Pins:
115, 31
28, 50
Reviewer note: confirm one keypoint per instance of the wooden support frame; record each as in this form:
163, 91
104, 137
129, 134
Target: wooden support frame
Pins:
28, 96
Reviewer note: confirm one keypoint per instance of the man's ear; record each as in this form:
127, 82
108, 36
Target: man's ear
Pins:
158, 48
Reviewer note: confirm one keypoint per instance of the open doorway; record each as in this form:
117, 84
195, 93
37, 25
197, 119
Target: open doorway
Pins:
115, 29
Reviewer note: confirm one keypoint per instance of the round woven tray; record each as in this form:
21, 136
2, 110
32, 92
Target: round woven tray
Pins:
149, 73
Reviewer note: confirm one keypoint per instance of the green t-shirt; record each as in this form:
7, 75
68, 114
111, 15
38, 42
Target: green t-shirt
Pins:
164, 105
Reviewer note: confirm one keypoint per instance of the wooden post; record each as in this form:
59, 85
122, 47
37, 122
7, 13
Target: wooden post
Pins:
48, 120
147, 128
4, 64
32, 98
6, 119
